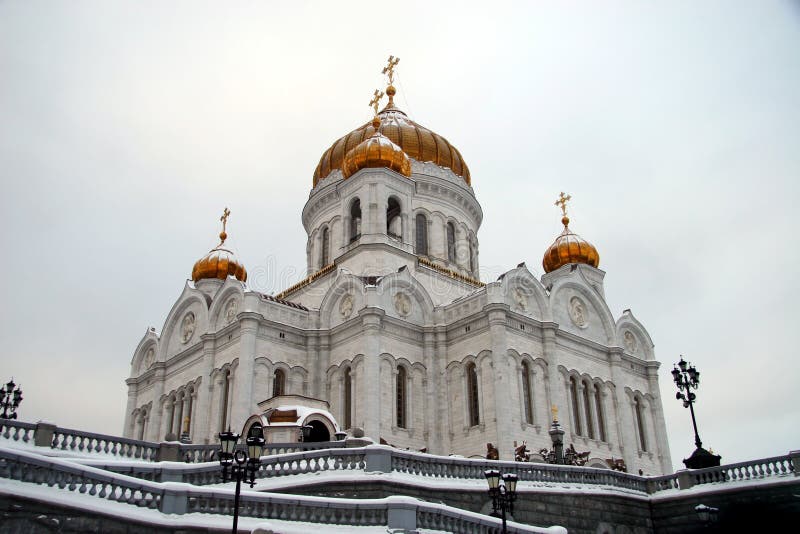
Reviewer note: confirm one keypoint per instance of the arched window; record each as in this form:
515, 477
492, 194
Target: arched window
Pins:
326, 248
355, 220
451, 242
400, 397
640, 422
588, 409
598, 406
472, 395
348, 398
279, 383
527, 394
226, 393
422, 234
394, 224
576, 409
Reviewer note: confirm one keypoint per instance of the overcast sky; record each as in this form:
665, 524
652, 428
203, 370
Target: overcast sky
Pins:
126, 127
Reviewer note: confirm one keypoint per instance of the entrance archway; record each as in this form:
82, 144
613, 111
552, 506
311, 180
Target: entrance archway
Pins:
319, 432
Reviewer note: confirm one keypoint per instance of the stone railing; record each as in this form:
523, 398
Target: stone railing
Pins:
440, 467
89, 442
17, 430
171, 498
752, 470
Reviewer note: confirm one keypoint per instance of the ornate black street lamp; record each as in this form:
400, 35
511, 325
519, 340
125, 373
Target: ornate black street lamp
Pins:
503, 495
687, 379
11, 399
238, 464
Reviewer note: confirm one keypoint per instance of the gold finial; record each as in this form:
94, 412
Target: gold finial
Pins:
224, 219
562, 203
388, 70
376, 98
554, 410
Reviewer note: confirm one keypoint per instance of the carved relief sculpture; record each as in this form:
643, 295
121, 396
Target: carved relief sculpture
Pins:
630, 341
187, 327
520, 299
231, 309
577, 311
402, 304
346, 306
149, 357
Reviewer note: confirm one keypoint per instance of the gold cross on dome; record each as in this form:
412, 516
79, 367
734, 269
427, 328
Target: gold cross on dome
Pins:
562, 202
389, 68
224, 219
376, 98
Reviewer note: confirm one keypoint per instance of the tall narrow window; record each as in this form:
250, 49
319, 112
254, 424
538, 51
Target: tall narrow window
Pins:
640, 422
348, 398
527, 394
576, 409
588, 409
471, 257
279, 383
400, 397
394, 224
598, 407
451, 242
472, 395
422, 235
355, 220
326, 247
226, 391
142, 423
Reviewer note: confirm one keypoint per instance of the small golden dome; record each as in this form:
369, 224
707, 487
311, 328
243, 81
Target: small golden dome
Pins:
376, 151
219, 262
569, 248
415, 140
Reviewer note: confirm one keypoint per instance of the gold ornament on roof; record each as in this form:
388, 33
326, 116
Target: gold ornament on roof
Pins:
219, 262
416, 141
568, 247
376, 99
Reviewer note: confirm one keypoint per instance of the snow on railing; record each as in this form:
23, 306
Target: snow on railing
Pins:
171, 498
208, 453
465, 468
17, 430
752, 470
88, 442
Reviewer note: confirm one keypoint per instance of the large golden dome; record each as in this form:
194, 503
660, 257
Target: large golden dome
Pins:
569, 248
376, 150
219, 262
415, 140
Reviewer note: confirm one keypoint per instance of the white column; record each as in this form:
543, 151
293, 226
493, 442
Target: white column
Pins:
243, 404
503, 382
371, 382
130, 423
203, 426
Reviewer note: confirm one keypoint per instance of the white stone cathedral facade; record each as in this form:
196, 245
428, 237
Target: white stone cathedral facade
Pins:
394, 330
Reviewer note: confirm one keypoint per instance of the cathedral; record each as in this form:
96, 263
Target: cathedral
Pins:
393, 333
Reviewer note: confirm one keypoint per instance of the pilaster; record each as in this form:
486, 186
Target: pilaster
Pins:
503, 381
243, 404
371, 318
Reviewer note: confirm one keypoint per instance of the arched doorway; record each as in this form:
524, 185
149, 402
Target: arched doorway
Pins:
319, 432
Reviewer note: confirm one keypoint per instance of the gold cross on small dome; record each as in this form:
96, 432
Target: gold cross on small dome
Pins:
562, 202
376, 98
224, 219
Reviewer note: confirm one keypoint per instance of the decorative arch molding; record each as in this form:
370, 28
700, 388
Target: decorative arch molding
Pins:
344, 283
404, 281
190, 297
644, 344
585, 290
231, 366
230, 288
150, 340
538, 303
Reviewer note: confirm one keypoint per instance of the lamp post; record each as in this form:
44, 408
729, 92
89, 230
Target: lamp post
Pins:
238, 464
503, 495
687, 378
11, 399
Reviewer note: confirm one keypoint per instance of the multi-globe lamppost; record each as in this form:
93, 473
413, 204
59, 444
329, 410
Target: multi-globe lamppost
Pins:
687, 378
503, 495
11, 399
239, 464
